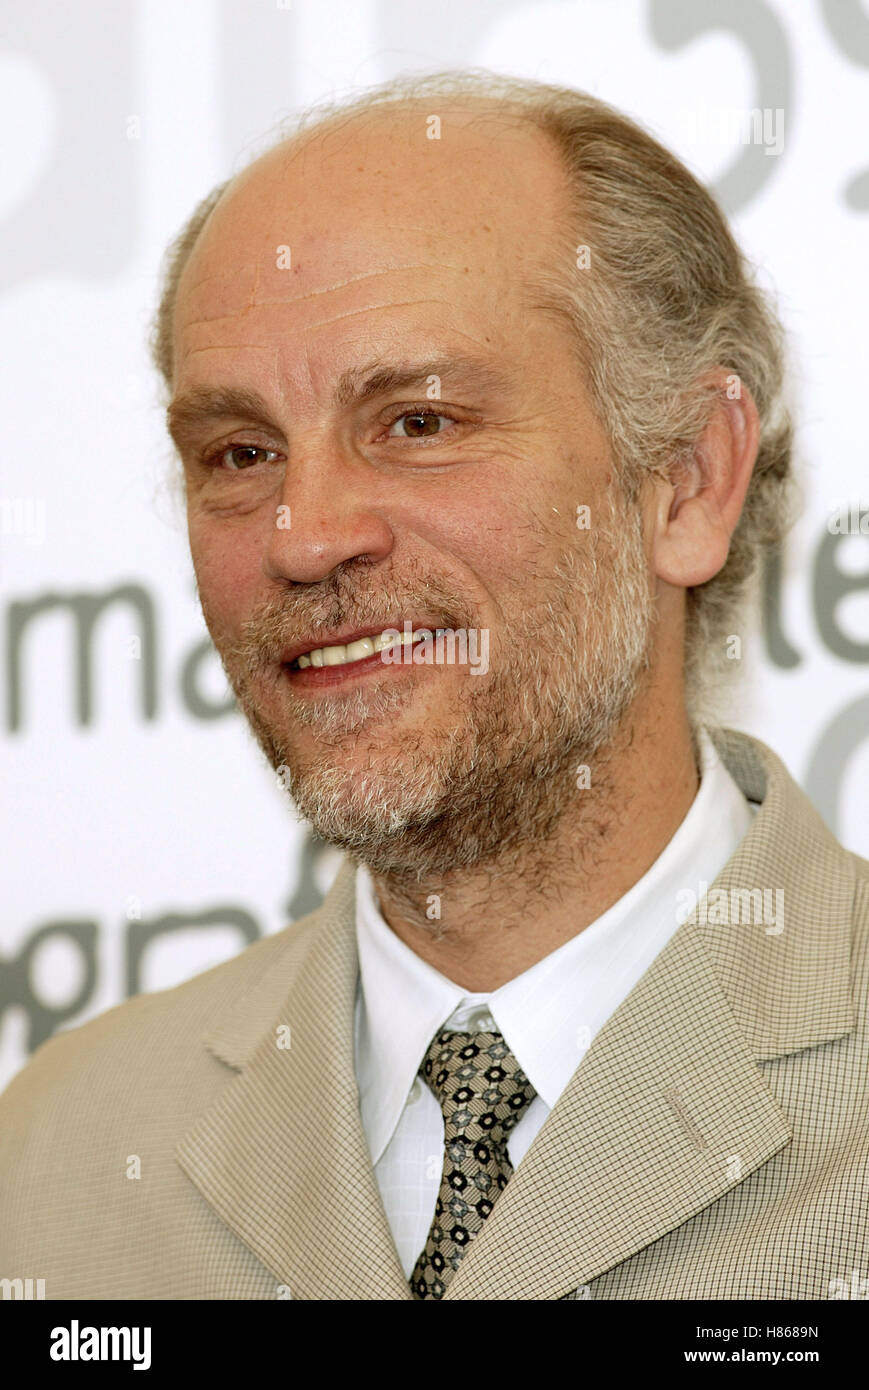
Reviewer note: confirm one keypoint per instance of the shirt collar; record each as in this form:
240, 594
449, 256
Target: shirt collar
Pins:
549, 1014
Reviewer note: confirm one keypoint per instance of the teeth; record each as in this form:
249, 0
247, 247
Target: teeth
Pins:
356, 650
353, 651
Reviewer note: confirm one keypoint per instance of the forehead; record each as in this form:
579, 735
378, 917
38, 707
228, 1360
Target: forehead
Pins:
371, 227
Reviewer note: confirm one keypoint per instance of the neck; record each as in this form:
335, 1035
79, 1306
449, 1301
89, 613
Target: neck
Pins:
483, 926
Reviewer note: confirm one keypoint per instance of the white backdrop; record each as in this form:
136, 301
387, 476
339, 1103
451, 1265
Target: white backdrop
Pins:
145, 837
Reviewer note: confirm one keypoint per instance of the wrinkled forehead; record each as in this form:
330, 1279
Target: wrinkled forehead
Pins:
323, 226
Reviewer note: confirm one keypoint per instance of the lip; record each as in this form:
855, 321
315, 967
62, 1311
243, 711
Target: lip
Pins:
314, 678
344, 636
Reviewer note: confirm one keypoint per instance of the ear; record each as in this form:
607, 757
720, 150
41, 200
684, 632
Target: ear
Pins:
697, 512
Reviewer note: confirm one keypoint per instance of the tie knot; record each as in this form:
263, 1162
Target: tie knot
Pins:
478, 1084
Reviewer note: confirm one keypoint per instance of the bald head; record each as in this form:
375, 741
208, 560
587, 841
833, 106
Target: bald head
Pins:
360, 227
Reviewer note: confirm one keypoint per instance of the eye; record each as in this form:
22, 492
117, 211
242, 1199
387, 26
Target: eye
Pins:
235, 453
418, 423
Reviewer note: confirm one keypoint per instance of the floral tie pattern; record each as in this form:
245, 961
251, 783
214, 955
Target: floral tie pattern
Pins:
482, 1092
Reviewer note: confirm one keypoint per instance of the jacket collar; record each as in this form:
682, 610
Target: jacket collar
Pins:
667, 1110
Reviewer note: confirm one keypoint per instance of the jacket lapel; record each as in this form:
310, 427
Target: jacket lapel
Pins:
666, 1111
282, 1156
669, 1108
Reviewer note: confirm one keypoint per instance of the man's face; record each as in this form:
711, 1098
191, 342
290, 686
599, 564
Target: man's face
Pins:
424, 441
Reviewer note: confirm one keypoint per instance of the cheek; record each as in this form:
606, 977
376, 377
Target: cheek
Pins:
228, 567
483, 526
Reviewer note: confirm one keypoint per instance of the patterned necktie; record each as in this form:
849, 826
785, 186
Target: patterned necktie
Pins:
482, 1091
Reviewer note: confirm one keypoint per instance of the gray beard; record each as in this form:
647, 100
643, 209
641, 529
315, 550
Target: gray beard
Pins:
498, 779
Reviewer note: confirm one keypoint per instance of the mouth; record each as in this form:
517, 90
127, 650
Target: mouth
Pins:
359, 653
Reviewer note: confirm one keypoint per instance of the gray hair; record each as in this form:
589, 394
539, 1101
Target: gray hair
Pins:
670, 299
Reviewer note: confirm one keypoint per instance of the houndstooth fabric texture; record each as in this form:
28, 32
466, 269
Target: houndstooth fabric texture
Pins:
482, 1092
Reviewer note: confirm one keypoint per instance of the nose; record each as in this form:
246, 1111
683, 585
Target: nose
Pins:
326, 515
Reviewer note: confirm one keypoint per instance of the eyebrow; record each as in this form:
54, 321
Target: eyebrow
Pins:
203, 405
364, 383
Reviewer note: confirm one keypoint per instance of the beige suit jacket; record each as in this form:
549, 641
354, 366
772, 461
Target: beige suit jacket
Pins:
712, 1143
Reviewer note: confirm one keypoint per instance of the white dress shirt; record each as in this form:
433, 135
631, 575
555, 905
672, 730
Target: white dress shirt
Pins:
548, 1015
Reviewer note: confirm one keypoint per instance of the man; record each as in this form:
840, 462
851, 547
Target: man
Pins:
481, 431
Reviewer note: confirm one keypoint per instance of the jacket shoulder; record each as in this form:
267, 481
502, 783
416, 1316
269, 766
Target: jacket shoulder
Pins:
156, 1030
861, 868
861, 896
91, 1195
